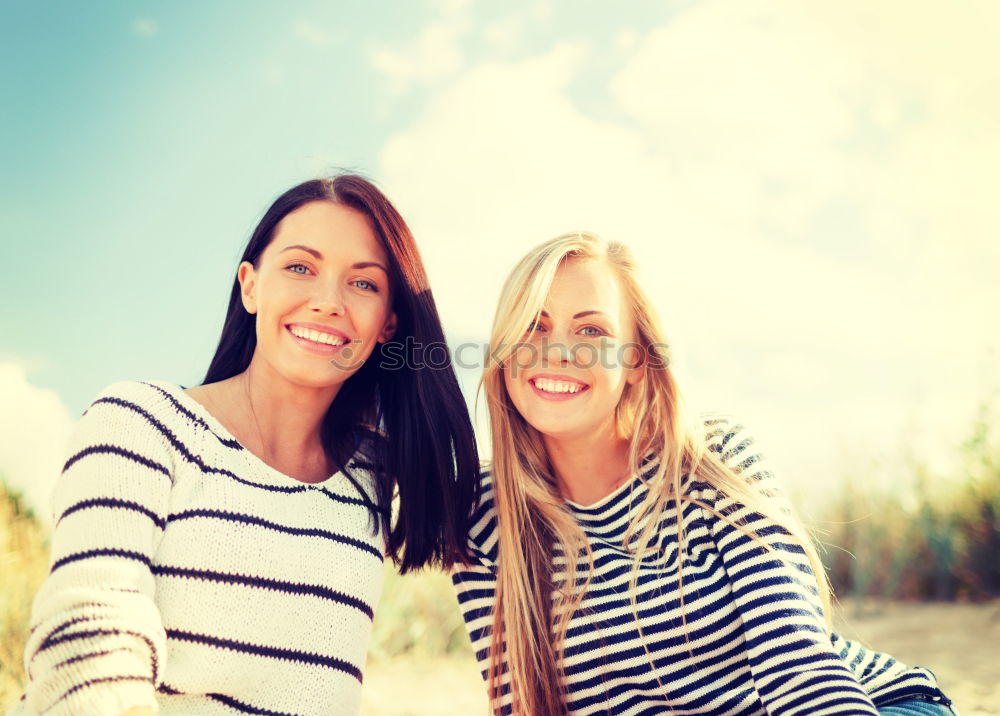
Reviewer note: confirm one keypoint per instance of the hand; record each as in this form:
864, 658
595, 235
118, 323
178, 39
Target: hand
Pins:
140, 711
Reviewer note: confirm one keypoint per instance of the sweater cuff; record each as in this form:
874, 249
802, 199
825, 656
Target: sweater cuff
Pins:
105, 696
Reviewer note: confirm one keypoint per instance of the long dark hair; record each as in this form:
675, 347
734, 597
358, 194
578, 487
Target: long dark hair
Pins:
428, 451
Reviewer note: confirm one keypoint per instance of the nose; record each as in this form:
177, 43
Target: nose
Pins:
327, 299
557, 353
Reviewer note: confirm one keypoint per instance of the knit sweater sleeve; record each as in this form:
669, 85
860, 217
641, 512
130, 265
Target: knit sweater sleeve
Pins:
483, 537
475, 583
794, 666
96, 638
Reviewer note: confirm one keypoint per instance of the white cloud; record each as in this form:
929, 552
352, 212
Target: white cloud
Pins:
35, 425
145, 27
812, 203
433, 54
502, 160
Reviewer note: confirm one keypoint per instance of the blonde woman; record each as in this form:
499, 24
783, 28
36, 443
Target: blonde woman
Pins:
694, 589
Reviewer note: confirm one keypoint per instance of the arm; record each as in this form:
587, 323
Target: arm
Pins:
475, 583
97, 644
795, 668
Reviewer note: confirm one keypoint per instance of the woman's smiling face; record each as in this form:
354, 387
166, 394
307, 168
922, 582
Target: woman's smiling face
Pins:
321, 295
567, 377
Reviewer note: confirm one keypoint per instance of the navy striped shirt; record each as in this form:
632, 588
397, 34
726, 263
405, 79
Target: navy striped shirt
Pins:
755, 641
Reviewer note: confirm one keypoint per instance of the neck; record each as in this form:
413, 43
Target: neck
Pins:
288, 416
589, 467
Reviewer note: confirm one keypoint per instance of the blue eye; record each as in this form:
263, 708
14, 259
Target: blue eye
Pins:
366, 285
292, 267
534, 326
592, 331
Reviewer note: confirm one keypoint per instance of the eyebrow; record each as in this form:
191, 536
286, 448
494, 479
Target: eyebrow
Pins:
319, 257
581, 314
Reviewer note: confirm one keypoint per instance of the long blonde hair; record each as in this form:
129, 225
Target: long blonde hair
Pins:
534, 523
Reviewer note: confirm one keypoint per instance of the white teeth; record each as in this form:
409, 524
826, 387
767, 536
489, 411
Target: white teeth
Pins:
315, 336
557, 386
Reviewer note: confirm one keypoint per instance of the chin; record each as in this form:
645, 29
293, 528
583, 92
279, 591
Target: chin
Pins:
558, 429
315, 379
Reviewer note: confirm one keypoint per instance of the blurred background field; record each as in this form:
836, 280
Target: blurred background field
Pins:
916, 568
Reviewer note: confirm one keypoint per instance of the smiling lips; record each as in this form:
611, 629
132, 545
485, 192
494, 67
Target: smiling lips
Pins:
316, 339
557, 387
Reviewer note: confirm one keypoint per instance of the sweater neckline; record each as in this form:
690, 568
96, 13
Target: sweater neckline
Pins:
633, 483
598, 506
177, 392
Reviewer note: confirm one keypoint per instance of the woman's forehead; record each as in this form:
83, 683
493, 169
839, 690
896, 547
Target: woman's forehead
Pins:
585, 285
334, 230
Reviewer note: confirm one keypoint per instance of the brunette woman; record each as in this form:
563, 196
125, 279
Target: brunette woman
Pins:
219, 549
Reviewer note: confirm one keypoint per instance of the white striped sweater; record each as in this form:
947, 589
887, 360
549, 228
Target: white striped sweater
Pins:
756, 643
188, 574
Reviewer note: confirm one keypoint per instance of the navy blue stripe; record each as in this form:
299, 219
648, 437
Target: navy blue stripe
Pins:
88, 655
273, 652
805, 662
197, 419
67, 624
184, 452
856, 662
92, 682
385, 512
772, 652
346, 500
724, 633
112, 502
713, 684
103, 449
885, 667
260, 522
836, 695
245, 707
910, 690
74, 636
102, 552
276, 585
228, 701
618, 519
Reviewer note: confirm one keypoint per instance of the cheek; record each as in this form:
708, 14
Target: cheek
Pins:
368, 316
515, 390
275, 297
509, 382
523, 358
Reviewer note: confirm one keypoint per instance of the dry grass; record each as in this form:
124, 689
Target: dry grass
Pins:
23, 561
927, 537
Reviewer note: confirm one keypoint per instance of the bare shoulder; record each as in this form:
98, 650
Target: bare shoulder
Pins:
204, 394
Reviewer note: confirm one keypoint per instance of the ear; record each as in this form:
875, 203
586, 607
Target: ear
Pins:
636, 369
247, 277
388, 329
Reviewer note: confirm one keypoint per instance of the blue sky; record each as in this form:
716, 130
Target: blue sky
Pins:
142, 140
810, 189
